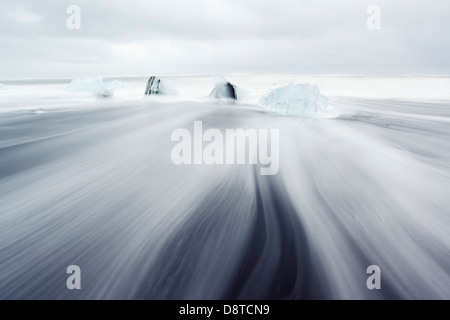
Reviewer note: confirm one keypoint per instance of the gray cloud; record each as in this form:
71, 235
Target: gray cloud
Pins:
222, 36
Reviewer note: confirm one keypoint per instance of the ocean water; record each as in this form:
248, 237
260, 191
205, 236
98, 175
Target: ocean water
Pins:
89, 181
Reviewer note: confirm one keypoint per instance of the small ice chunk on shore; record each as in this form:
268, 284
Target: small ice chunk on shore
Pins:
38, 111
296, 100
156, 86
223, 89
95, 85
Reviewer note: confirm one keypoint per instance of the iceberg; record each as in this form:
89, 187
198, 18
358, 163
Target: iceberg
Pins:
223, 90
152, 85
38, 111
2, 86
226, 90
95, 85
296, 100
155, 86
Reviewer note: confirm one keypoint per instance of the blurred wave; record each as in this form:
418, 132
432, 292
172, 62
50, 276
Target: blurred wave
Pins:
95, 187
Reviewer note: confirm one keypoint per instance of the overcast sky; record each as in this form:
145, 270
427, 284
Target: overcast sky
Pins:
175, 37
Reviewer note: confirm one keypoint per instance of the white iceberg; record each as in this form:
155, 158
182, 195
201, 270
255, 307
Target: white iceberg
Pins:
38, 111
166, 87
156, 86
2, 86
296, 100
223, 89
95, 85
